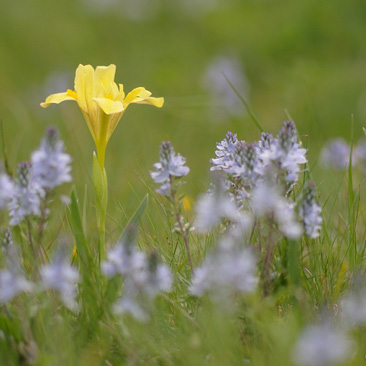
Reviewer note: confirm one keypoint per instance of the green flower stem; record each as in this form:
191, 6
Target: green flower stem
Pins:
101, 198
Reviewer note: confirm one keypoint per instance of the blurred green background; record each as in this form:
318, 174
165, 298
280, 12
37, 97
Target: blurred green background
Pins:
306, 57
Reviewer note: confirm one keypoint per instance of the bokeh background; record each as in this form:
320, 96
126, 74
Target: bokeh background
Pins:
306, 59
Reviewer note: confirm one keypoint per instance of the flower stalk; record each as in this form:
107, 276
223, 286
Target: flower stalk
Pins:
100, 184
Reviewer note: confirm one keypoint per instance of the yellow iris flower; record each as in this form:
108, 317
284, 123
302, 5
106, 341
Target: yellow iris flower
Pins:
101, 101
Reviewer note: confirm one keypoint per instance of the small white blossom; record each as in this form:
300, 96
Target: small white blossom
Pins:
62, 277
171, 165
124, 260
322, 345
336, 154
225, 152
353, 305
143, 276
26, 199
354, 308
286, 153
142, 286
214, 206
229, 268
310, 211
246, 166
265, 143
12, 283
266, 200
50, 164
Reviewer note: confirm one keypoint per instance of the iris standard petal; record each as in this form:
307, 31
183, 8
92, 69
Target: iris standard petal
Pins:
84, 81
103, 79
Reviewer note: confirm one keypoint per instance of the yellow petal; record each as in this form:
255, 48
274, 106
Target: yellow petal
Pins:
121, 94
84, 81
136, 95
109, 106
104, 79
157, 102
58, 98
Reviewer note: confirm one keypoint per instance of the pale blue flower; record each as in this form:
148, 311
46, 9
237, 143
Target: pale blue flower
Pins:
170, 166
12, 283
310, 211
336, 154
286, 153
229, 268
50, 164
26, 199
322, 345
225, 152
266, 200
213, 207
63, 278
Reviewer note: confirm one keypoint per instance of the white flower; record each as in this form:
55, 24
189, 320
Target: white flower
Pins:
171, 165
225, 152
266, 200
336, 154
143, 277
321, 345
50, 164
12, 283
229, 268
214, 206
141, 287
62, 277
286, 152
310, 211
353, 306
124, 260
246, 166
26, 199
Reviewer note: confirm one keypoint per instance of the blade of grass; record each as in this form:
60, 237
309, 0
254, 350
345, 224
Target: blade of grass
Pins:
245, 103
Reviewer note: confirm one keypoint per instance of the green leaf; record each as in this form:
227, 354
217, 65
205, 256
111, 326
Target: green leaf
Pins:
130, 231
11, 327
76, 226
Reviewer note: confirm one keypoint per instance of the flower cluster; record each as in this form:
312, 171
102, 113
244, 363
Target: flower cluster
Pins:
59, 275
170, 166
228, 269
49, 168
143, 276
322, 345
26, 199
259, 177
251, 190
310, 211
62, 277
50, 164
336, 154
